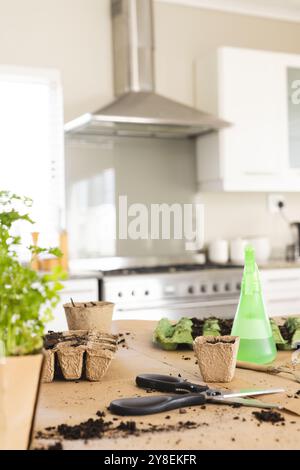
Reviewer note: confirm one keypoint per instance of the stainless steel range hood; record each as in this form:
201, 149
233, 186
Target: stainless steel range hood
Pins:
139, 111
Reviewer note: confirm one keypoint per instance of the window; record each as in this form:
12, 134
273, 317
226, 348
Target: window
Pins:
32, 146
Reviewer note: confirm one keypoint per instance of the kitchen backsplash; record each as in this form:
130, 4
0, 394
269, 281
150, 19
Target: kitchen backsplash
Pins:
230, 215
147, 171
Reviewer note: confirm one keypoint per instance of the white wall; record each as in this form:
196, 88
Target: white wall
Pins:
247, 215
75, 37
71, 35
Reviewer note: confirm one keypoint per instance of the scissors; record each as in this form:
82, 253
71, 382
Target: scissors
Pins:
183, 394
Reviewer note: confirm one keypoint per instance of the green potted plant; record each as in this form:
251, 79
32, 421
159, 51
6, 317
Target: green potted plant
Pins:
26, 302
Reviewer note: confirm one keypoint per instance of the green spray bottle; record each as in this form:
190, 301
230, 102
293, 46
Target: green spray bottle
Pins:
251, 323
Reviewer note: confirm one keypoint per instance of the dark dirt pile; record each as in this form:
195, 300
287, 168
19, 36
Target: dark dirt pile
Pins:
99, 428
268, 416
285, 333
52, 339
90, 429
55, 446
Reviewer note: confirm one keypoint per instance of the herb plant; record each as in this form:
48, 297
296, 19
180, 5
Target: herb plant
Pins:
26, 297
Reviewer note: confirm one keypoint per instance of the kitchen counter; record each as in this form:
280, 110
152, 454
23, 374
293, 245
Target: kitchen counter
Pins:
217, 426
270, 265
280, 264
85, 275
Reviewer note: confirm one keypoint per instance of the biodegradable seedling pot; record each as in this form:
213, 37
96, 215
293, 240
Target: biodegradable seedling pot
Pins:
217, 357
78, 354
19, 389
48, 366
97, 362
89, 315
70, 360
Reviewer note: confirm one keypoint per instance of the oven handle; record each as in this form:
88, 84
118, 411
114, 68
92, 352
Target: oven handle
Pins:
211, 303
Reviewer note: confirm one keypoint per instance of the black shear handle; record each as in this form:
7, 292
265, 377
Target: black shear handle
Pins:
167, 383
156, 404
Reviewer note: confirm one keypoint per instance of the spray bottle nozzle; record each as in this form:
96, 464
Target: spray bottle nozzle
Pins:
251, 281
249, 255
250, 264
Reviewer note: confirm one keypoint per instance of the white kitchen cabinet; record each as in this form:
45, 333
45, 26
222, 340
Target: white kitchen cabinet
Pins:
80, 290
281, 289
253, 90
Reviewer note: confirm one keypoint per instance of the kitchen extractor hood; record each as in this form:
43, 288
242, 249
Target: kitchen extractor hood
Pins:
138, 111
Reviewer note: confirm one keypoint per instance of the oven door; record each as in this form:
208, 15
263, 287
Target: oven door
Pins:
224, 307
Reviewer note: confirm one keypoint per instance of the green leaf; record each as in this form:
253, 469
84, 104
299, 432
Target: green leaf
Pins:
26, 298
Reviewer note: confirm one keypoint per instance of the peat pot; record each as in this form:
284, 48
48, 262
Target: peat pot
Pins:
89, 315
217, 357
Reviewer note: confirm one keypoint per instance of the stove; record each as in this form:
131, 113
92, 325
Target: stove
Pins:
172, 290
173, 268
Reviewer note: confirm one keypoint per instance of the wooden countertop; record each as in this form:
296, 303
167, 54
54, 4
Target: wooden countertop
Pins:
220, 427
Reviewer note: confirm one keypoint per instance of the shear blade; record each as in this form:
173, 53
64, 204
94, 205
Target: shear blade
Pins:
244, 402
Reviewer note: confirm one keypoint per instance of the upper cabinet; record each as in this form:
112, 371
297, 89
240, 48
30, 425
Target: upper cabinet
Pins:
259, 93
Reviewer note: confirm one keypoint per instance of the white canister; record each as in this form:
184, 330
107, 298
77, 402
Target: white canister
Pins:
262, 248
237, 250
218, 251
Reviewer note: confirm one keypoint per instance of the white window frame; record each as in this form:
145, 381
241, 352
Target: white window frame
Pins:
52, 78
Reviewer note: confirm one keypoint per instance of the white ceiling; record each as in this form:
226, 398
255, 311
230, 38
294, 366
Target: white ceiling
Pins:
280, 9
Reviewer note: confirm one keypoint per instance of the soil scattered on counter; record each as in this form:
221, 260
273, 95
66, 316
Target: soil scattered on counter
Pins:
122, 340
129, 427
295, 396
99, 428
89, 429
268, 416
55, 446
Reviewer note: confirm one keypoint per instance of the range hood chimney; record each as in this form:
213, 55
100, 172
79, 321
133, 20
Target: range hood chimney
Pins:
133, 46
138, 111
